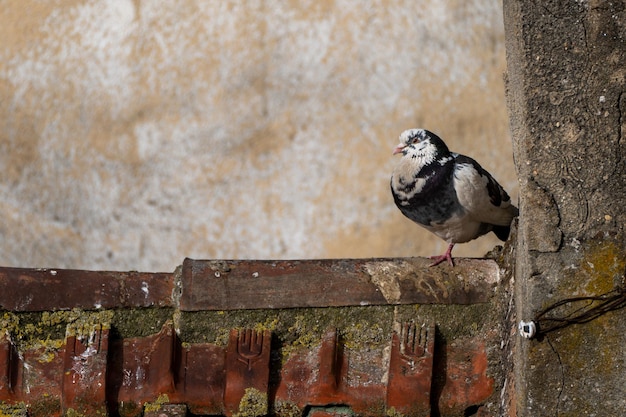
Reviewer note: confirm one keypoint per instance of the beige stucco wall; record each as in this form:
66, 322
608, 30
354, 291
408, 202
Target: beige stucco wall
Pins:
135, 133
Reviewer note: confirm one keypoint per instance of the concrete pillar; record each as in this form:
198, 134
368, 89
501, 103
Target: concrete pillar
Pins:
566, 70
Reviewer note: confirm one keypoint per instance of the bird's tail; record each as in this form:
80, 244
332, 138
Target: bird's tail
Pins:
502, 232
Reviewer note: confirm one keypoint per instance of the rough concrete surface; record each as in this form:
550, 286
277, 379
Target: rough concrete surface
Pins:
135, 133
567, 78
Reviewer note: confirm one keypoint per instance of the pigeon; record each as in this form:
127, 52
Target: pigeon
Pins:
449, 194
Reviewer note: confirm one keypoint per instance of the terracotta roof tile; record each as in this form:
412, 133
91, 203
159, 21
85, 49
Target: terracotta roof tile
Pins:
94, 371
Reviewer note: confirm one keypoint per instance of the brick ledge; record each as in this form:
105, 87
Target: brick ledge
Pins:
253, 284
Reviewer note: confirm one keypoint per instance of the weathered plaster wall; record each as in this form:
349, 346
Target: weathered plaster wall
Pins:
135, 133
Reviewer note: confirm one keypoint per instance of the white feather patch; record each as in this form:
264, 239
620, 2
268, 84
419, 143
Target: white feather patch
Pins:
418, 155
459, 228
471, 190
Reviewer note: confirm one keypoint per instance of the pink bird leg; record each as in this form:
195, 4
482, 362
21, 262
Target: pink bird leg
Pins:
445, 257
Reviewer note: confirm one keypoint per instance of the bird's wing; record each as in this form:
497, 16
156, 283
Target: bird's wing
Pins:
480, 194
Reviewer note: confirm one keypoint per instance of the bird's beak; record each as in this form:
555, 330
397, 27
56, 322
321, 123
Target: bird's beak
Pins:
399, 148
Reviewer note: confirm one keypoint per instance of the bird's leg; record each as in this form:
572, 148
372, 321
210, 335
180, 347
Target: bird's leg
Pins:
445, 257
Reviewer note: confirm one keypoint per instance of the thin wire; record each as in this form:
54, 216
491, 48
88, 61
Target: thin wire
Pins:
562, 387
594, 307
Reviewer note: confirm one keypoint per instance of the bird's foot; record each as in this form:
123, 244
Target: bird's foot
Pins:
445, 257
440, 258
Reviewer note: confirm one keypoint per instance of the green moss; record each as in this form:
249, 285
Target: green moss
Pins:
336, 410
13, 410
287, 409
364, 333
367, 327
293, 329
82, 324
452, 320
214, 326
48, 349
598, 270
45, 407
140, 322
603, 263
129, 408
17, 326
581, 351
92, 413
271, 323
583, 355
252, 404
156, 405
47, 330
392, 412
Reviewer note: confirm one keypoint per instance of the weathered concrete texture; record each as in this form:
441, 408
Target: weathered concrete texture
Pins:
566, 85
135, 133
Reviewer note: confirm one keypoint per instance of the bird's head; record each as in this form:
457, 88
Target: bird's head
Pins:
421, 144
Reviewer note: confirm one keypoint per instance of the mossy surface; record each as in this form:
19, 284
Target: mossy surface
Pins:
74, 413
45, 407
13, 410
368, 326
129, 409
48, 330
296, 327
287, 409
156, 405
43, 329
140, 322
568, 369
452, 320
253, 404
604, 263
597, 268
